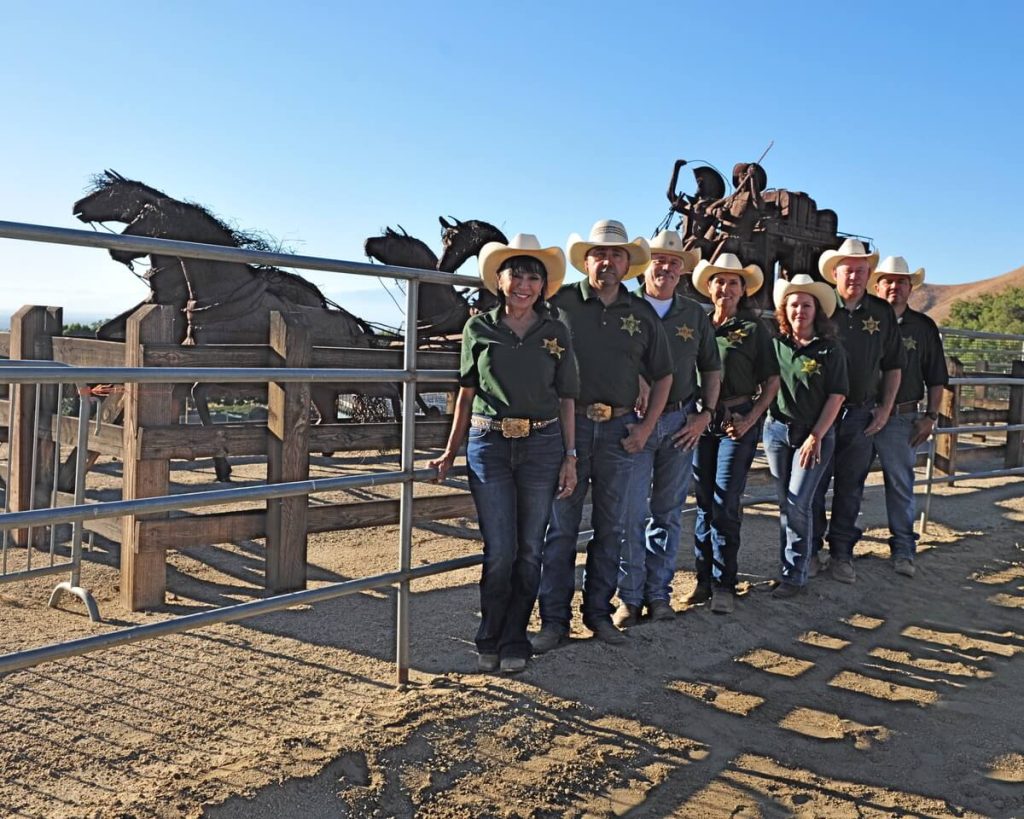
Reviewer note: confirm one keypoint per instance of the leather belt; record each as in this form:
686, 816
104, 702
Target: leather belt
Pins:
676, 406
869, 404
904, 408
509, 427
735, 402
600, 413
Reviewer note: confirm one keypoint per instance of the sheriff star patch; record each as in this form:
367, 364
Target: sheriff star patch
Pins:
552, 346
871, 326
810, 366
736, 336
910, 343
631, 324
685, 332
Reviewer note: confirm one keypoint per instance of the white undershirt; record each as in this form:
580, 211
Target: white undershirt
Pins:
660, 306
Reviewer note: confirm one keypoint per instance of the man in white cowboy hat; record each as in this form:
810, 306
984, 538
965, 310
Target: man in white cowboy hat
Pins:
924, 377
617, 339
662, 470
874, 355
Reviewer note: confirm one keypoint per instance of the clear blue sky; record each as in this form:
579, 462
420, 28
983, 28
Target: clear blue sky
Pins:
321, 123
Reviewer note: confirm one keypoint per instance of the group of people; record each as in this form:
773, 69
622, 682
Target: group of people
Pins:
634, 395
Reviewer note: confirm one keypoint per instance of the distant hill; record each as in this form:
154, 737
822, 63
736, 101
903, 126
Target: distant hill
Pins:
937, 299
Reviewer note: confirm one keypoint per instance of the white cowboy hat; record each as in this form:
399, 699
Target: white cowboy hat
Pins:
896, 266
802, 283
752, 276
609, 233
670, 243
850, 248
493, 254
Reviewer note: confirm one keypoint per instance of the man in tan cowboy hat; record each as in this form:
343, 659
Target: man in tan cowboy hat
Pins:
617, 339
924, 377
663, 469
874, 355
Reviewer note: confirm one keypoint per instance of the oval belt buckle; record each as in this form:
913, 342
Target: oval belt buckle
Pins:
515, 427
599, 413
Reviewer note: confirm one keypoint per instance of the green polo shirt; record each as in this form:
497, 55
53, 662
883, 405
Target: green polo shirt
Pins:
518, 377
691, 340
748, 357
613, 344
926, 360
872, 342
808, 375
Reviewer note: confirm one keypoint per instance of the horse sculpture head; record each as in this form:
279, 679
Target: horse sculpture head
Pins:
464, 239
400, 250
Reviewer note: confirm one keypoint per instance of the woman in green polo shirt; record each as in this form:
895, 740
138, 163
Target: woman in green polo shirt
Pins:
516, 400
721, 461
799, 435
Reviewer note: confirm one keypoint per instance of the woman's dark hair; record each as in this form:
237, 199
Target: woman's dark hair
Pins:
823, 325
526, 265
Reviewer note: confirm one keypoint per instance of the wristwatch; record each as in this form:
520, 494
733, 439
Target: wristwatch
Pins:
572, 453
932, 414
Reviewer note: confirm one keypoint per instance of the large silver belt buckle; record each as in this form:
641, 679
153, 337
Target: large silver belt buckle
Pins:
515, 427
599, 413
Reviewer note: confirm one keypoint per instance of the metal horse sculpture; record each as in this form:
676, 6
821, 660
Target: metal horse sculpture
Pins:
443, 310
217, 302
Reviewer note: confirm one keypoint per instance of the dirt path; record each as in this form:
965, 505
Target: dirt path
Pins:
889, 697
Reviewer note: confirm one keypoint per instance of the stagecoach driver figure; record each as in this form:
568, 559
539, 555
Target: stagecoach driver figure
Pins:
874, 356
663, 469
924, 377
616, 338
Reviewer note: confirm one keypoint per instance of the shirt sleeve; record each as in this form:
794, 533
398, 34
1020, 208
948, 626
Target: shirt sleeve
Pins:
837, 377
933, 364
708, 357
657, 361
469, 375
567, 374
766, 363
894, 357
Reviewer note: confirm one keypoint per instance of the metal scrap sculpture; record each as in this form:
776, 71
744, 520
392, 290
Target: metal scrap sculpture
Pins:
761, 225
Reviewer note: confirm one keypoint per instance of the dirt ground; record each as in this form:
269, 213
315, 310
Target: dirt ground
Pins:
891, 697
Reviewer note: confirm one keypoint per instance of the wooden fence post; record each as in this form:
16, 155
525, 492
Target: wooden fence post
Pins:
949, 410
287, 456
32, 332
1015, 440
143, 565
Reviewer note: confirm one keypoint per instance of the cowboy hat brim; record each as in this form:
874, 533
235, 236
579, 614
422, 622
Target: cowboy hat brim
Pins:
494, 254
830, 258
639, 253
690, 258
752, 277
824, 294
915, 278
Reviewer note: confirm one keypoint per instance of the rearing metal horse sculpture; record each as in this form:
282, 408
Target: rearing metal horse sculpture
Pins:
217, 302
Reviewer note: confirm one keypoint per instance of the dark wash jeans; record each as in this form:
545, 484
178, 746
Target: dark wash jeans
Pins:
720, 467
796, 487
513, 481
848, 469
605, 467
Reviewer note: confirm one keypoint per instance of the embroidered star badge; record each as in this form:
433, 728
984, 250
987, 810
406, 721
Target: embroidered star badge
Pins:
552, 346
631, 324
871, 326
685, 332
910, 343
810, 366
736, 336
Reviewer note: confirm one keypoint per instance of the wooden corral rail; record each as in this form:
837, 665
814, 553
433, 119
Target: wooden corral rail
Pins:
150, 437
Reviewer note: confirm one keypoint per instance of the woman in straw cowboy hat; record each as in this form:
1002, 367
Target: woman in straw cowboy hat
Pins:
799, 435
516, 400
750, 379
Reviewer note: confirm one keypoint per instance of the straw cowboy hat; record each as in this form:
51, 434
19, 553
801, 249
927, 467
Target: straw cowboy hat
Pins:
896, 266
670, 243
493, 254
609, 233
802, 283
752, 276
849, 249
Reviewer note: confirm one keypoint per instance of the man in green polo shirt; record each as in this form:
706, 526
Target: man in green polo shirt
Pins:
874, 355
616, 339
663, 470
896, 445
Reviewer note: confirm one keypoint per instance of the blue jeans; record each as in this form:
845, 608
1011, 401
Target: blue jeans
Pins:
513, 481
720, 467
796, 487
849, 468
662, 472
605, 467
897, 457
